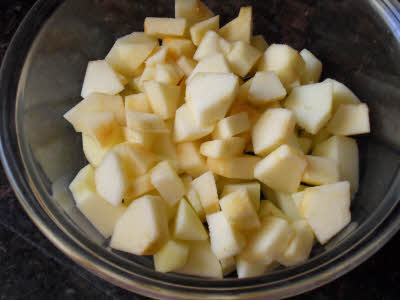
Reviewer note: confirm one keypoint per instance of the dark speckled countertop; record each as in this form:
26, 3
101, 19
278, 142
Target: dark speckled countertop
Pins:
32, 268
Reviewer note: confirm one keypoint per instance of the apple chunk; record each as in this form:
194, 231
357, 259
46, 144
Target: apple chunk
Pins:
143, 228
190, 159
232, 125
198, 30
172, 256
212, 44
207, 190
161, 27
253, 188
233, 146
320, 170
94, 153
211, 64
187, 224
186, 64
139, 186
341, 94
265, 88
179, 47
313, 67
163, 98
240, 28
350, 119
138, 102
193, 11
145, 122
240, 167
243, 57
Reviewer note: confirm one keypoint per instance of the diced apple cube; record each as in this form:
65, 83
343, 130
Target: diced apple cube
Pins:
285, 61
187, 224
243, 57
225, 240
186, 64
210, 96
247, 269
162, 27
239, 210
94, 153
212, 44
149, 73
172, 256
198, 30
211, 64
313, 67
168, 74
241, 167
83, 181
259, 42
167, 182
345, 151
272, 129
299, 248
311, 105
163, 98
243, 94
341, 94
165, 149
240, 28
143, 228
110, 179
159, 57
322, 135
232, 125
138, 102
253, 189
288, 206
320, 170
268, 243
233, 146
129, 52
207, 191
265, 88
139, 186
190, 159
145, 122
327, 209
178, 47
281, 170
146, 139
350, 119
202, 261
193, 11
267, 208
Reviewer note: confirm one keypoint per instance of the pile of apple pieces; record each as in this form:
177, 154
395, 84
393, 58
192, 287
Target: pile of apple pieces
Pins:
166, 130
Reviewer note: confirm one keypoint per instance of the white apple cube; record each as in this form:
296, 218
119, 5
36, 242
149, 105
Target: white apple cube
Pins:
190, 159
210, 96
344, 150
129, 52
193, 11
281, 170
139, 186
311, 105
247, 269
243, 94
240, 28
165, 149
232, 125
167, 183
138, 102
198, 30
186, 64
146, 139
194, 200
168, 74
327, 209
158, 57
212, 44
239, 210
350, 119
265, 88
187, 225
259, 42
241, 167
211, 64
178, 47
243, 57
94, 153
299, 248
225, 240
288, 206
161, 27
207, 190
272, 129
163, 98
143, 228
145, 122
267, 243
320, 170
341, 94
172, 256
267, 209
149, 73
253, 189
229, 147
313, 67
111, 181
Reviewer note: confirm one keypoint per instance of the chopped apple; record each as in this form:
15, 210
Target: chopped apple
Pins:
165, 149
253, 189
94, 153
198, 30
344, 150
313, 67
265, 88
350, 119
172, 256
212, 44
167, 182
83, 181
145, 122
320, 170
268, 243
299, 248
281, 170
259, 42
232, 125
311, 105
187, 224
288, 206
146, 139
129, 52
272, 129
159, 57
139, 186
240, 28
179, 47
327, 209
168, 74
233, 146
206, 189
162, 27
243, 57
322, 135
225, 240
211, 64
138, 102
228, 265
190, 159
243, 94
143, 228
149, 73
247, 269
267, 208
241, 167
111, 181
193, 11
239, 210
210, 96
341, 94
194, 200
285, 61
186, 64
163, 98
202, 261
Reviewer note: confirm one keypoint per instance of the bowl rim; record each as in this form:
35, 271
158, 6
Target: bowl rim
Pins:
14, 167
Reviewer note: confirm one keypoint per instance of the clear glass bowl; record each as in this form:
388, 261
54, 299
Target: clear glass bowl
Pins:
41, 77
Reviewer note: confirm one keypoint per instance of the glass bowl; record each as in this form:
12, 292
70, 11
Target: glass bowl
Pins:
41, 77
